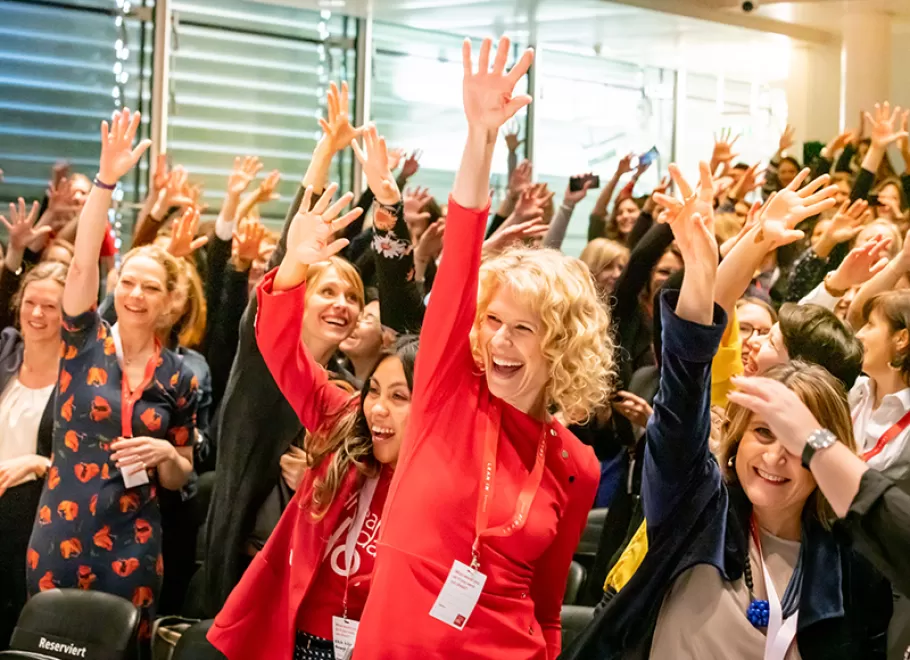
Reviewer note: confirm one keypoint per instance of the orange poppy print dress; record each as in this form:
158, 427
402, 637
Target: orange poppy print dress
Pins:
91, 532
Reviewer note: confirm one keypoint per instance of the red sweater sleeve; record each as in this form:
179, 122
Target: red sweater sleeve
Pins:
552, 569
303, 382
444, 358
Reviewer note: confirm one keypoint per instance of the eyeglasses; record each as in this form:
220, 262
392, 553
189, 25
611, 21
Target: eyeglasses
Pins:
747, 331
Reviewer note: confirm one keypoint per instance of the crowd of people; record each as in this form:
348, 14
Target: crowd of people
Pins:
382, 431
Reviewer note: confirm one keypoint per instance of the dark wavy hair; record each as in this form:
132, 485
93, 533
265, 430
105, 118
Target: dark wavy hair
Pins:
346, 441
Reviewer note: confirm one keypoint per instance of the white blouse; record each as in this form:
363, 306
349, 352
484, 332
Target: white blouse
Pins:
21, 409
869, 425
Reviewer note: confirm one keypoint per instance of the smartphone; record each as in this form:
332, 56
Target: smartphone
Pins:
576, 183
648, 157
873, 200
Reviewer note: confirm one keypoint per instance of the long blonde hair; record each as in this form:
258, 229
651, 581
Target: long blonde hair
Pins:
575, 341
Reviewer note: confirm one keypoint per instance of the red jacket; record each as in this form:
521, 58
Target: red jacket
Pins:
430, 512
259, 618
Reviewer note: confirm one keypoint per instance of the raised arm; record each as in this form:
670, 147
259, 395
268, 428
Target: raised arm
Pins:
776, 226
281, 297
560, 223
876, 510
400, 304
597, 223
117, 158
488, 103
676, 451
884, 134
885, 280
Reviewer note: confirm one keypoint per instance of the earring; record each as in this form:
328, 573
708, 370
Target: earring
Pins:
731, 461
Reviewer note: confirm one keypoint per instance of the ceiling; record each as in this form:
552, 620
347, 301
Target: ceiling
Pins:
703, 35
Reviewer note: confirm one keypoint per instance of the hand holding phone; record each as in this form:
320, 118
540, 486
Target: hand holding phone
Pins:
577, 183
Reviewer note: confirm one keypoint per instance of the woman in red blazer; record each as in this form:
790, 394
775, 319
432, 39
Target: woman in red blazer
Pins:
314, 571
491, 492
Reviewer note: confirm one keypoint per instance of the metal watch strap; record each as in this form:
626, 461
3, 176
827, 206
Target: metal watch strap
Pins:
818, 440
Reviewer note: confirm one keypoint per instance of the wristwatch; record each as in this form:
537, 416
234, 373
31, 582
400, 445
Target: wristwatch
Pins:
818, 440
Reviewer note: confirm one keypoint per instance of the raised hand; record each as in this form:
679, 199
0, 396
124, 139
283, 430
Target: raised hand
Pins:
21, 226
507, 236
266, 191
61, 200
339, 132
395, 156
837, 143
117, 153
310, 236
520, 179
625, 165
862, 264
575, 196
723, 149
692, 220
790, 206
883, 125
411, 164
162, 172
243, 174
414, 215
183, 242
528, 206
247, 239
487, 94
430, 244
779, 407
375, 163
904, 143
512, 130
846, 224
787, 139
172, 193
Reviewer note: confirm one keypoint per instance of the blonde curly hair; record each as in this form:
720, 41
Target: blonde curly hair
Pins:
576, 340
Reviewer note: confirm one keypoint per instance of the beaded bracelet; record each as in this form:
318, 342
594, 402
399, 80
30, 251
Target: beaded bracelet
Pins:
101, 184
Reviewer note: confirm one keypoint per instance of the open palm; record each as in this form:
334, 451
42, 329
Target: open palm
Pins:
375, 162
790, 206
311, 234
21, 225
117, 153
692, 220
488, 100
883, 125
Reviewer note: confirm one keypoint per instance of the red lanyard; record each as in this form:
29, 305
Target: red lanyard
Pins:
492, 417
129, 398
887, 437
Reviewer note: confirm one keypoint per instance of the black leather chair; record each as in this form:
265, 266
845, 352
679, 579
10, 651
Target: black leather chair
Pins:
590, 537
194, 646
574, 583
55, 623
575, 619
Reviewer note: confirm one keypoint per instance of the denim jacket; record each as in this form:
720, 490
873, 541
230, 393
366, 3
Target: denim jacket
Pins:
695, 518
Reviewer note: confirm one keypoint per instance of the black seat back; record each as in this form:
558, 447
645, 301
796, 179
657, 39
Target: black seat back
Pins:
574, 583
60, 622
194, 646
575, 618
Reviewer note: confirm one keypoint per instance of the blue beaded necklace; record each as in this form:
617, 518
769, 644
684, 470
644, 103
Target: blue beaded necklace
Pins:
759, 610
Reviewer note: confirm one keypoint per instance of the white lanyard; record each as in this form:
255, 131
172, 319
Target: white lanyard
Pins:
363, 508
780, 632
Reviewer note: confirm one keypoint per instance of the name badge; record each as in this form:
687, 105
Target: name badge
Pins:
139, 478
459, 596
344, 632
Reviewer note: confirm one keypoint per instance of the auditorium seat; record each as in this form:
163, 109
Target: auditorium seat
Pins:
574, 620
590, 538
194, 646
574, 583
61, 622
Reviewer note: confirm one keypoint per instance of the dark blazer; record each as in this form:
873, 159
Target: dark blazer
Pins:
18, 505
695, 518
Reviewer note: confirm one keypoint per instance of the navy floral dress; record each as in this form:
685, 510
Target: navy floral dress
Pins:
92, 532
